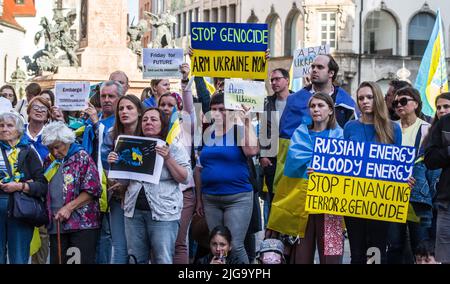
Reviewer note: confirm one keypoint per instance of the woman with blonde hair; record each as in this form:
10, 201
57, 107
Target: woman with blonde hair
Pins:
158, 87
373, 126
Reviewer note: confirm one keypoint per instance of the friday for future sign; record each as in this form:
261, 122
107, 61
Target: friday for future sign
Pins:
360, 179
304, 57
162, 62
251, 94
229, 50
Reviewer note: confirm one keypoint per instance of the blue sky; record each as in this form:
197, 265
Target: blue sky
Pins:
133, 10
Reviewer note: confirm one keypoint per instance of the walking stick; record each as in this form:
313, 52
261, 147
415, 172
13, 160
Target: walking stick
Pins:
58, 240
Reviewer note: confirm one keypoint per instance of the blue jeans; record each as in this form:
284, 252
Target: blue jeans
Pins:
15, 236
104, 246
119, 241
233, 211
145, 234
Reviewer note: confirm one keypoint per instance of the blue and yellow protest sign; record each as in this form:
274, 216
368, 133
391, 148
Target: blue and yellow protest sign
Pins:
360, 179
229, 50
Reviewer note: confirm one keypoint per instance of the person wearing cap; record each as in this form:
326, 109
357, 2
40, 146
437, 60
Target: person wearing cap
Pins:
271, 251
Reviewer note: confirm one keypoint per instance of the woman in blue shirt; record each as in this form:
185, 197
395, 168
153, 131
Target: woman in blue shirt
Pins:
227, 193
373, 126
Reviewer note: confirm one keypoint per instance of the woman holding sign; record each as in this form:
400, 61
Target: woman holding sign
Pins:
408, 106
152, 211
324, 229
373, 126
226, 189
128, 115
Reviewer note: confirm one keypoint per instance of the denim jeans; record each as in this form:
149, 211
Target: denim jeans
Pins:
145, 235
119, 241
104, 246
15, 236
233, 211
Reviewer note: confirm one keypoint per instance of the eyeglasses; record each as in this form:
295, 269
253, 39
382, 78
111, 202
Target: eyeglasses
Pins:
402, 102
276, 79
39, 108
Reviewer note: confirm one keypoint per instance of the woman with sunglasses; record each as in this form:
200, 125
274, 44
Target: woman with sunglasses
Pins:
373, 126
408, 106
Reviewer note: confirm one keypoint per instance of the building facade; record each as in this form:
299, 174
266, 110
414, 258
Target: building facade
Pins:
370, 39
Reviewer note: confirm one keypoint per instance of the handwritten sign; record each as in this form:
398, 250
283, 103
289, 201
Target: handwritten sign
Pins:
72, 96
162, 62
360, 179
304, 57
248, 93
229, 50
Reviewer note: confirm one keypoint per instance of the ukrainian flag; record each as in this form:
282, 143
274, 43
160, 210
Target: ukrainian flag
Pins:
432, 77
174, 127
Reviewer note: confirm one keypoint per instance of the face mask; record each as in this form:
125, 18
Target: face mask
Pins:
271, 258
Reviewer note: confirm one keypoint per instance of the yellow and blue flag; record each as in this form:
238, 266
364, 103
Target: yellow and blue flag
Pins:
432, 77
174, 126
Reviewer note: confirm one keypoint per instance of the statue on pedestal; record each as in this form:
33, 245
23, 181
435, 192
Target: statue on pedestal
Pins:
135, 34
163, 25
59, 49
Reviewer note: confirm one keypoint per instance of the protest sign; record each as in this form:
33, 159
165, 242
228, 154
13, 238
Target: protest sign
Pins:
137, 159
72, 96
248, 93
303, 58
360, 179
229, 50
162, 62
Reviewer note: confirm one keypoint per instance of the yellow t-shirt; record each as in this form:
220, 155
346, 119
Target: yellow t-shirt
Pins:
409, 134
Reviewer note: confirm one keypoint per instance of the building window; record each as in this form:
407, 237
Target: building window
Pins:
214, 15
380, 34
205, 15
20, 2
183, 27
178, 34
275, 35
293, 31
196, 15
419, 33
223, 14
189, 22
328, 28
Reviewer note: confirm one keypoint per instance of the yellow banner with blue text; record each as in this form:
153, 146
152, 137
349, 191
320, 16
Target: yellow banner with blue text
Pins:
358, 197
229, 64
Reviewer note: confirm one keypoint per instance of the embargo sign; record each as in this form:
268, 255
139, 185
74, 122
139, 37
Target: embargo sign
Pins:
360, 179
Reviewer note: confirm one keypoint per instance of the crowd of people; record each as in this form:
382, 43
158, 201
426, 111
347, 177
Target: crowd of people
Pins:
214, 187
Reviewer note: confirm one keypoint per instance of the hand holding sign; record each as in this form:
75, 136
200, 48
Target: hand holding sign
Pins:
185, 69
92, 113
112, 158
163, 151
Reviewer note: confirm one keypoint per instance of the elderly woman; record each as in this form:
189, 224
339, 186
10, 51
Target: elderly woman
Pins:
20, 170
72, 199
153, 211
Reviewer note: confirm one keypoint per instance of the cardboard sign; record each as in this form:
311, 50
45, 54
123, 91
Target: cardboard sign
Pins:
137, 159
72, 96
360, 179
248, 93
162, 62
304, 57
229, 50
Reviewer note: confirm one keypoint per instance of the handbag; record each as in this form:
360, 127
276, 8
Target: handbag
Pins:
29, 209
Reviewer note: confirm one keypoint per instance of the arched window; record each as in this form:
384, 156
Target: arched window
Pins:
419, 32
380, 33
275, 34
293, 32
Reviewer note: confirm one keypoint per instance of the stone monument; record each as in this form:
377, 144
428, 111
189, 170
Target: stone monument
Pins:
102, 47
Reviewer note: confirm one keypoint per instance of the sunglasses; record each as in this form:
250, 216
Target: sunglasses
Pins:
402, 102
